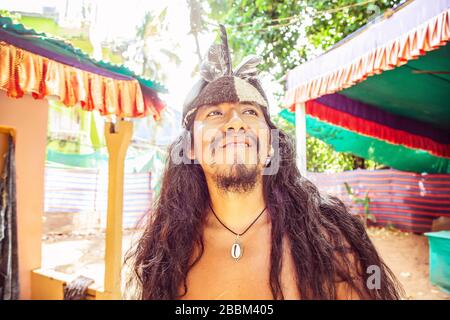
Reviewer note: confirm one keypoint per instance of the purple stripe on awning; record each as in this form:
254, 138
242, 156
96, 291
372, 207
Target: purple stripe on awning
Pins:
73, 62
373, 113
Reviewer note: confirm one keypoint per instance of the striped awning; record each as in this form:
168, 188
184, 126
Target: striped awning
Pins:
42, 66
416, 28
383, 92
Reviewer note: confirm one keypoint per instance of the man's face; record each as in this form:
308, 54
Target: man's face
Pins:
231, 140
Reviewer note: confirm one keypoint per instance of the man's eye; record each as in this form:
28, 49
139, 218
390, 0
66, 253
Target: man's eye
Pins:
214, 113
251, 111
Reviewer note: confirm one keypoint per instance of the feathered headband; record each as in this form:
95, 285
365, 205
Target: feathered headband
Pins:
219, 83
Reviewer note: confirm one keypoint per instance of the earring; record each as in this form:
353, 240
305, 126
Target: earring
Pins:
269, 157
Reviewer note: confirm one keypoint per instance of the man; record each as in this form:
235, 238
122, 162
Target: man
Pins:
236, 220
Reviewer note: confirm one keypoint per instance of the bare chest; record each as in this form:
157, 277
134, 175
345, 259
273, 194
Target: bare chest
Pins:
218, 276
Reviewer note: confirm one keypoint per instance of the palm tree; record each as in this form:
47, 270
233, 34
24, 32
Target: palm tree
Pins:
197, 23
152, 47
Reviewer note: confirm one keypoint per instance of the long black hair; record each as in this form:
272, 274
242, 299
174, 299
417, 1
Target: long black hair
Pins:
327, 243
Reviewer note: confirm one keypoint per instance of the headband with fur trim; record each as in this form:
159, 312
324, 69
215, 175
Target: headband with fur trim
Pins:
219, 83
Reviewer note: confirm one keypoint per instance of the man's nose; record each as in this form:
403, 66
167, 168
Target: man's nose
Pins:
235, 123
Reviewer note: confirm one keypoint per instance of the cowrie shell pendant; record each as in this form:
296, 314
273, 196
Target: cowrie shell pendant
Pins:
237, 249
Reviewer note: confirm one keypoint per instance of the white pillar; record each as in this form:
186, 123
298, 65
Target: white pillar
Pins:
300, 134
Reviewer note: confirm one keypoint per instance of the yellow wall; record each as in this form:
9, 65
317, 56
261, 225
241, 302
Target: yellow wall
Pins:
29, 117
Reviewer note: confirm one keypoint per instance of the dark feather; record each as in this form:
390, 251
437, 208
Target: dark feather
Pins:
226, 50
213, 67
248, 67
208, 71
217, 62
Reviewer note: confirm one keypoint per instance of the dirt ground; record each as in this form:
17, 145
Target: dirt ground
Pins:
405, 253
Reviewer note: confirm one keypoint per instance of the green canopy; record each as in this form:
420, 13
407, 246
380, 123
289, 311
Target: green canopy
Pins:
419, 89
395, 156
383, 92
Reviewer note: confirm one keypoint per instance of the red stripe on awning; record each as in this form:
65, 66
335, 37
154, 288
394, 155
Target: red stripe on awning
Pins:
375, 130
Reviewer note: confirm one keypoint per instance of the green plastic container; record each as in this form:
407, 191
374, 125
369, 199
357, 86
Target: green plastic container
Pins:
440, 259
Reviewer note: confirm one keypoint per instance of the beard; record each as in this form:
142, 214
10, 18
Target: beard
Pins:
238, 179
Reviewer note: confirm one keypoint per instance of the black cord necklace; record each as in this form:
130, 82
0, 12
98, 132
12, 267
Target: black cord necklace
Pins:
237, 249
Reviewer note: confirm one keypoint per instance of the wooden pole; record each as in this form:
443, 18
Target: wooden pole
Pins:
118, 137
300, 133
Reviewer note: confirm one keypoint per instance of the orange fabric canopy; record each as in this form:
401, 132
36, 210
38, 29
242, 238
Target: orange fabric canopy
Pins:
23, 72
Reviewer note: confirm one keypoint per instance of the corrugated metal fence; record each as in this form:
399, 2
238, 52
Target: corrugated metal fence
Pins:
409, 201
75, 190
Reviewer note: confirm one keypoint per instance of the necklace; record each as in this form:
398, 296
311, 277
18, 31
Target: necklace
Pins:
237, 249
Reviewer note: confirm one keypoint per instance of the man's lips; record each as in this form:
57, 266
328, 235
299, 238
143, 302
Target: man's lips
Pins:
247, 141
238, 142
246, 144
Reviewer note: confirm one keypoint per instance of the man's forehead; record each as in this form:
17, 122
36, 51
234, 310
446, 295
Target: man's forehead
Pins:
230, 105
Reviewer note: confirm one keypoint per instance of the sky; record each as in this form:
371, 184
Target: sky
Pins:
118, 19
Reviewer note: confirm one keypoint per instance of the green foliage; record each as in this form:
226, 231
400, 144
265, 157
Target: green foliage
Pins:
334, 20
321, 157
364, 201
284, 125
287, 33
15, 17
256, 36
150, 48
41, 24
